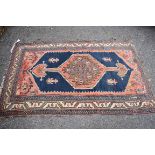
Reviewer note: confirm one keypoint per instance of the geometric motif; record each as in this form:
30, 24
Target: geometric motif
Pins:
86, 73
75, 78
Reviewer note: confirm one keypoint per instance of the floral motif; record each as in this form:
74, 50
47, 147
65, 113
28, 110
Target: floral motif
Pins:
112, 81
106, 59
25, 86
122, 70
51, 81
53, 60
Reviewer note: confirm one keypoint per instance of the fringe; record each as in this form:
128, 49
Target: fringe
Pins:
18, 40
3, 78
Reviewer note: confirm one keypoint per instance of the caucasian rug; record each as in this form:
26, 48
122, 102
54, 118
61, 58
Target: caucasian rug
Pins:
75, 78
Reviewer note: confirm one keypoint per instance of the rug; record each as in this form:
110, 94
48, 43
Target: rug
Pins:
75, 78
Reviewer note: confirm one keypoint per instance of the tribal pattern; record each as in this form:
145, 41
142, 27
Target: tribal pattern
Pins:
79, 73
67, 78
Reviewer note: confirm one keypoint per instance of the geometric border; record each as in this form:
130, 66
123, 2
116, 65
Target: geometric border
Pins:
128, 105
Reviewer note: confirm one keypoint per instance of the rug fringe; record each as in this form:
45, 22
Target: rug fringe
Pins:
18, 40
2, 83
3, 78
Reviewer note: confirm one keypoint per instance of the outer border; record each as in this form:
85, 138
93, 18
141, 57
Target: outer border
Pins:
105, 45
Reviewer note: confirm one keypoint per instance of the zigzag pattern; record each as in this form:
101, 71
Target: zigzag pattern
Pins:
81, 105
